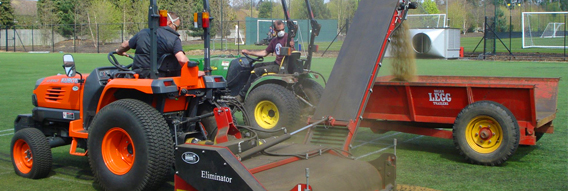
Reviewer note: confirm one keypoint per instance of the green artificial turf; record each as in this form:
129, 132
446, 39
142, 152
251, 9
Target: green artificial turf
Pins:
422, 161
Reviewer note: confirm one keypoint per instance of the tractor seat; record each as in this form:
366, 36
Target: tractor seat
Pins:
289, 67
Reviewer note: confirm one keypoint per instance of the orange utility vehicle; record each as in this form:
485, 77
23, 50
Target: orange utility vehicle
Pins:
126, 125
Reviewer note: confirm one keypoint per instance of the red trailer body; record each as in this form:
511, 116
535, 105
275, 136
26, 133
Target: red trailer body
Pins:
432, 103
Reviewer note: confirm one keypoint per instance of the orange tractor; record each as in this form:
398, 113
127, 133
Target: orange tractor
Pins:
127, 126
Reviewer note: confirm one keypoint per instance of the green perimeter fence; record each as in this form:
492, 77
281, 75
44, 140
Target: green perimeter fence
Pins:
257, 29
101, 38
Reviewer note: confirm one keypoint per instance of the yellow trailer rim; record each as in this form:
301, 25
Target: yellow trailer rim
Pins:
484, 134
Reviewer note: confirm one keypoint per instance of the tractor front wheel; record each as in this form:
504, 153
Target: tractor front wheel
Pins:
130, 146
486, 133
31, 154
272, 107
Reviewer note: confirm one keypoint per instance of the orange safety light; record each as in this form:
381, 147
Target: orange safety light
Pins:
163, 18
205, 20
195, 20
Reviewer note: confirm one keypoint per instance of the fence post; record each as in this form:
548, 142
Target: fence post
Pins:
52, 40
7, 38
14, 45
32, 38
98, 39
238, 37
74, 37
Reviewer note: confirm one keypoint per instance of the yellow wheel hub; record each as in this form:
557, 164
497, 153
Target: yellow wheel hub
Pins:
484, 134
266, 114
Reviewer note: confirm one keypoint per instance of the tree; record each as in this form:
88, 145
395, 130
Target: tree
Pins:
101, 14
342, 10
265, 9
430, 7
318, 8
6, 13
500, 21
460, 17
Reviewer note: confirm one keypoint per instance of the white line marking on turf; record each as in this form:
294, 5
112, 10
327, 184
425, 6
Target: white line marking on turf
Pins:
70, 180
380, 150
1, 135
377, 139
6, 130
4, 173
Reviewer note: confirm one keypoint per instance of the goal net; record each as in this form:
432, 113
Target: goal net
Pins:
416, 21
551, 31
544, 29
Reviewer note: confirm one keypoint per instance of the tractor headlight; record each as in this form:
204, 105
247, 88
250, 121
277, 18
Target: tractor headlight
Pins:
34, 100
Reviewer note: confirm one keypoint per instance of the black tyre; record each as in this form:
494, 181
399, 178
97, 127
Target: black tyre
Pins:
311, 91
271, 107
31, 154
130, 146
486, 133
538, 135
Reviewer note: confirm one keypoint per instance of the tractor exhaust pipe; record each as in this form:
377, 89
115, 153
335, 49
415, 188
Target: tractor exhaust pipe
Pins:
279, 139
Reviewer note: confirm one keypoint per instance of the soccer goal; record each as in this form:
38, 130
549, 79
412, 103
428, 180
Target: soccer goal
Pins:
426, 20
544, 29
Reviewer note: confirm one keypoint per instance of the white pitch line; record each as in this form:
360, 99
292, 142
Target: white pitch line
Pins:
1, 135
4, 173
70, 180
377, 139
6, 130
380, 150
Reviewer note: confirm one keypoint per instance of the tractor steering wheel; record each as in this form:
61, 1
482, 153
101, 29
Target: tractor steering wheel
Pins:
115, 63
257, 59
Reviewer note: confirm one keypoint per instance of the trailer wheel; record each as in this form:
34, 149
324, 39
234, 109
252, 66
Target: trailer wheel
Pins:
130, 146
312, 92
272, 106
538, 135
486, 133
31, 154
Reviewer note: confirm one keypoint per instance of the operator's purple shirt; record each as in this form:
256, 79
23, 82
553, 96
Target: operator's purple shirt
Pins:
275, 45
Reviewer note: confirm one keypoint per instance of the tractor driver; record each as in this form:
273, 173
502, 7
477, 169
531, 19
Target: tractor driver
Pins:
168, 43
273, 47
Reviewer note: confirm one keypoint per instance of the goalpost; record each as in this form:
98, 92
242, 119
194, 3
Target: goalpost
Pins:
544, 29
426, 20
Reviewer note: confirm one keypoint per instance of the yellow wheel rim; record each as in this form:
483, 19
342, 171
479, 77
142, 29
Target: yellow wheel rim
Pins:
266, 114
484, 134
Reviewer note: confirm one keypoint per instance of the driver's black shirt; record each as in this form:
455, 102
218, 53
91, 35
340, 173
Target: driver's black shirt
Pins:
168, 42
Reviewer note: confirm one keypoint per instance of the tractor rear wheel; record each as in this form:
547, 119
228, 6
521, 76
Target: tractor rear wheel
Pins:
272, 106
130, 146
31, 154
311, 91
486, 133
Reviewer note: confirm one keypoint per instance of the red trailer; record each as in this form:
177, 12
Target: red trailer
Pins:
490, 116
